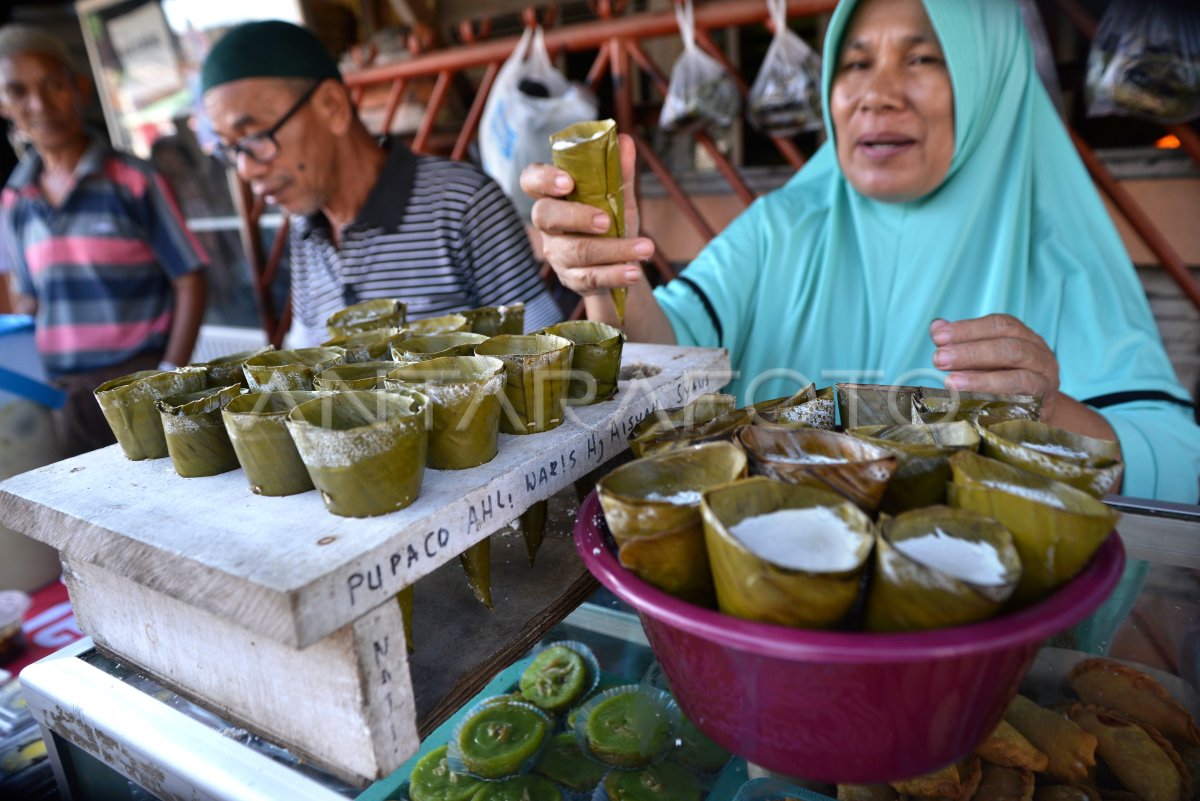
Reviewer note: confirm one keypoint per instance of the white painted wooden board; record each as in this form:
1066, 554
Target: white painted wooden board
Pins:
285, 568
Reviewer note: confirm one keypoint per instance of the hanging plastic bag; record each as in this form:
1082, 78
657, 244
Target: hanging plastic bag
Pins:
701, 92
529, 100
1043, 54
1145, 61
786, 96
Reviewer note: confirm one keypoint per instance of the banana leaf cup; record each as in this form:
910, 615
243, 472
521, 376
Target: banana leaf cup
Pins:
365, 450
590, 154
652, 506
464, 393
369, 314
435, 346
128, 406
938, 567
196, 436
537, 371
358, 375
533, 528
284, 370
875, 404
809, 408
257, 427
811, 457
1056, 527
495, 320
368, 346
442, 324
666, 429
922, 452
793, 583
943, 406
597, 354
227, 370
1086, 463
476, 562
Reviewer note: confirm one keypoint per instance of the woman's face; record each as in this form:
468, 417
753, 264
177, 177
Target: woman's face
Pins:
892, 104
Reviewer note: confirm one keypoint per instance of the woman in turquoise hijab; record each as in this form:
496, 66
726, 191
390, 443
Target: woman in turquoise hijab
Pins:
947, 233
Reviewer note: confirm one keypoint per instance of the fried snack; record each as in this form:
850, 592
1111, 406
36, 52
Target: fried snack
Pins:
866, 792
958, 781
1063, 792
1070, 749
1002, 783
1008, 747
1114, 686
1143, 761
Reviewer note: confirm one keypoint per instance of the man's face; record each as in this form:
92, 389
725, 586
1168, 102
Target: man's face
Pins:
297, 175
43, 100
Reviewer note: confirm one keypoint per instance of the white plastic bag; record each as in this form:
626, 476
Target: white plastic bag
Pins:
529, 100
786, 96
701, 92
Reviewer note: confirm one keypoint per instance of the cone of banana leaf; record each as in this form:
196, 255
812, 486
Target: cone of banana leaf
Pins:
476, 562
537, 373
289, 370
938, 567
495, 320
434, 346
464, 394
664, 428
442, 324
875, 404
590, 154
1056, 527
784, 553
595, 360
368, 346
533, 528
364, 316
257, 428
405, 599
1086, 463
359, 375
809, 408
128, 406
850, 467
945, 406
228, 370
652, 506
196, 438
365, 449
922, 452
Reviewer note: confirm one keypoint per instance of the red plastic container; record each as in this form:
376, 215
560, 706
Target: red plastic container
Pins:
843, 707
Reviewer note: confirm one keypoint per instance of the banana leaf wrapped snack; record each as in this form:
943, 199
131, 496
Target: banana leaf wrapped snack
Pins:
495, 320
589, 153
922, 452
357, 375
938, 567
365, 450
195, 433
652, 507
808, 408
597, 353
875, 404
226, 370
1056, 527
709, 418
364, 316
943, 406
811, 457
282, 370
257, 428
538, 370
1086, 463
128, 406
371, 345
442, 324
433, 346
786, 554
476, 562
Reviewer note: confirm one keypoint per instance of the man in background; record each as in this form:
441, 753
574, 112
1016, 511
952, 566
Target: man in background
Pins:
98, 251
371, 219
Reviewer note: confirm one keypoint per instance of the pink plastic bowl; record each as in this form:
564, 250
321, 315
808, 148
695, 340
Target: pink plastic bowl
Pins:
835, 706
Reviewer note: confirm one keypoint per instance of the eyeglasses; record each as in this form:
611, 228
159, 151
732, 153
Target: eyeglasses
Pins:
261, 147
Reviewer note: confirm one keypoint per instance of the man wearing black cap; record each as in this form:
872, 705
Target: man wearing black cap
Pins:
371, 219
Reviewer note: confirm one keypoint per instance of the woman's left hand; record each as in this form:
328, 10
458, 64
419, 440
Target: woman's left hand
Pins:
998, 354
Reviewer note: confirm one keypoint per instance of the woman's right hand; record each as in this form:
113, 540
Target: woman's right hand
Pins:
573, 244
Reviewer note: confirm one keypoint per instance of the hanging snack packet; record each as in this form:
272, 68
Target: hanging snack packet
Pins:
786, 96
701, 92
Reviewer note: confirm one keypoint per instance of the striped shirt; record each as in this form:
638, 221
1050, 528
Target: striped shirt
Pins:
438, 234
101, 264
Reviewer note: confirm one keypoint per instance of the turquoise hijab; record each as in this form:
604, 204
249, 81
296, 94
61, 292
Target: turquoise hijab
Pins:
816, 282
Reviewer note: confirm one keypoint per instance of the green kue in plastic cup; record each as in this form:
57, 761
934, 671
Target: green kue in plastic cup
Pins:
284, 370
494, 320
597, 354
538, 372
227, 370
465, 393
195, 434
360, 375
367, 346
378, 313
433, 346
128, 406
257, 428
365, 450
442, 324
